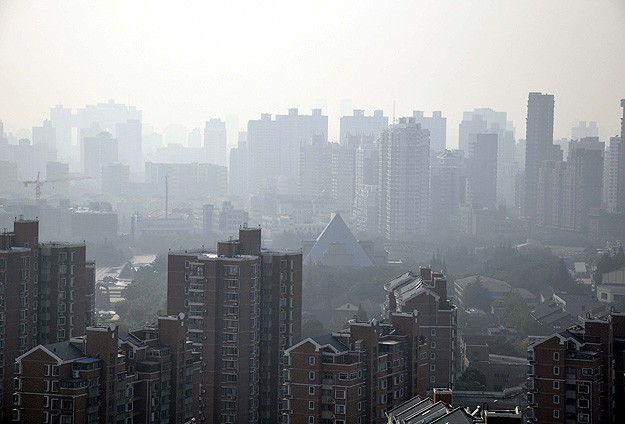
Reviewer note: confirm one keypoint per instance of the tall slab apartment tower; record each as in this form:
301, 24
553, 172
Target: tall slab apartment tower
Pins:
244, 306
46, 296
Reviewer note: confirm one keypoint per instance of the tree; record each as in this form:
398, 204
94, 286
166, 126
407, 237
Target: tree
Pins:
144, 298
471, 379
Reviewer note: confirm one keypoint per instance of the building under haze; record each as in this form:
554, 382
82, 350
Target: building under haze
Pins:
244, 306
274, 146
46, 296
404, 180
538, 146
360, 129
98, 152
482, 171
437, 126
215, 141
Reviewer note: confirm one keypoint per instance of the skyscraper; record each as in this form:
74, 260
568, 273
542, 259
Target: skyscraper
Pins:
244, 307
129, 145
538, 145
360, 129
274, 146
215, 142
482, 171
485, 120
437, 126
404, 175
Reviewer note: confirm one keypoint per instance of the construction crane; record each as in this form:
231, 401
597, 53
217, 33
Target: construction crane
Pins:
39, 183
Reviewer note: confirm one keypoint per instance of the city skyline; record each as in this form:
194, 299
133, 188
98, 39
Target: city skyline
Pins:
189, 64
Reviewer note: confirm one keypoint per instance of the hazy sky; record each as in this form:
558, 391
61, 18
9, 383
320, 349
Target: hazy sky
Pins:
187, 61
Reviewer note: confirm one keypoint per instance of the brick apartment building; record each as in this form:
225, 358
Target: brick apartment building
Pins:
244, 306
576, 376
143, 377
356, 375
46, 296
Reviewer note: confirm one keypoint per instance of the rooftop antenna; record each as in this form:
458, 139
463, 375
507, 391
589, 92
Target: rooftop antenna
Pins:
394, 122
166, 196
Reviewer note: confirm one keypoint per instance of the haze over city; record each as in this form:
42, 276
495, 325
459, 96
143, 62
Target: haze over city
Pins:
180, 63
330, 212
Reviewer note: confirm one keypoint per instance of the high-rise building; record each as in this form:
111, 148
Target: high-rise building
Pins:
583, 182
238, 171
274, 146
215, 142
366, 200
359, 129
315, 169
485, 120
538, 145
482, 171
115, 180
46, 295
577, 374
583, 130
614, 179
62, 121
129, 138
244, 308
188, 181
98, 151
437, 126
404, 180
449, 186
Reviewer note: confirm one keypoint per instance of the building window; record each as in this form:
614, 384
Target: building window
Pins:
432, 379
311, 404
311, 390
583, 388
433, 345
556, 385
583, 403
586, 371
556, 413
556, 356
339, 394
556, 399
433, 367
311, 360
556, 370
432, 356
311, 375
340, 409
311, 419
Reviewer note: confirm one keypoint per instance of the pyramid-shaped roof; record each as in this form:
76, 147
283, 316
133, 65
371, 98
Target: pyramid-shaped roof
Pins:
337, 232
127, 273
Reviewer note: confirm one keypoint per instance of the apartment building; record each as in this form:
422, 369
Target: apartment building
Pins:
425, 293
46, 296
146, 376
244, 308
577, 375
356, 375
